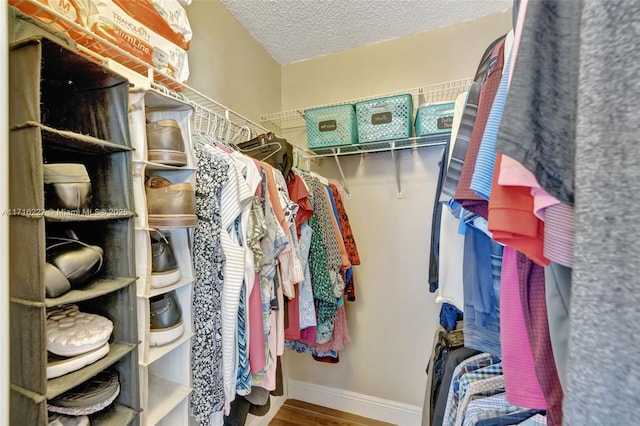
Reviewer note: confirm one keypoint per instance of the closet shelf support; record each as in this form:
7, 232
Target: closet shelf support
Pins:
344, 180
396, 167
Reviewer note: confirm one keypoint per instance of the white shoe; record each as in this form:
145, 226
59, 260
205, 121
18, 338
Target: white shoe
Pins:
59, 366
164, 279
163, 336
71, 332
56, 419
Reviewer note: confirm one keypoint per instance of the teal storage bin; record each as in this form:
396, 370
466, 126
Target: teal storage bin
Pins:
434, 119
385, 118
330, 127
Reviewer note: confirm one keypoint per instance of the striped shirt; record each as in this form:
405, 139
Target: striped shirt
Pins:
235, 199
483, 171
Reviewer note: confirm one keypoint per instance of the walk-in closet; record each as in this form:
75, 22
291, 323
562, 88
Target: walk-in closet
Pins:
246, 212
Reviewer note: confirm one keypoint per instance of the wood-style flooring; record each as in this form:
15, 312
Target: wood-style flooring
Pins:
300, 413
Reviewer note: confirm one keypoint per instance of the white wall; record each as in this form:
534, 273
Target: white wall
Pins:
229, 65
394, 318
392, 321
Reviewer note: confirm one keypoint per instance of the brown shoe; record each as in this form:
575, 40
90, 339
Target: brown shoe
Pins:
165, 144
170, 205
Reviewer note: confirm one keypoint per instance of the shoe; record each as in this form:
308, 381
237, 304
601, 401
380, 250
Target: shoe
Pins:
89, 397
71, 332
56, 419
56, 284
77, 262
59, 366
166, 319
260, 410
165, 144
164, 267
66, 186
170, 205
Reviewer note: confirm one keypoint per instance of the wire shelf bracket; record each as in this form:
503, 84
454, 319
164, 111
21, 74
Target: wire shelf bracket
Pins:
392, 146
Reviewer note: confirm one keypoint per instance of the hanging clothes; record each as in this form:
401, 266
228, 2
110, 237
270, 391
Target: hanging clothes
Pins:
207, 398
604, 289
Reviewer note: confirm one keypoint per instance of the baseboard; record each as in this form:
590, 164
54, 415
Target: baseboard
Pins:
276, 403
356, 403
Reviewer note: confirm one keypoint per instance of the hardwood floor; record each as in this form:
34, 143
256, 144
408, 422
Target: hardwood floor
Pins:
300, 413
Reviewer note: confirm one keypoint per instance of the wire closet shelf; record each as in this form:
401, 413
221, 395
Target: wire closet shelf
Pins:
439, 92
208, 113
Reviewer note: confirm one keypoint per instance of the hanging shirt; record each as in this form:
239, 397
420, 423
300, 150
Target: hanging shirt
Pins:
558, 224
257, 231
485, 162
274, 197
345, 226
305, 296
464, 195
452, 257
538, 124
320, 272
512, 221
467, 124
450, 264
521, 382
290, 265
534, 309
494, 410
453, 398
235, 200
299, 194
251, 174
483, 380
207, 398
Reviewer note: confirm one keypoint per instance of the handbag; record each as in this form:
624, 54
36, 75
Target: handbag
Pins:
70, 263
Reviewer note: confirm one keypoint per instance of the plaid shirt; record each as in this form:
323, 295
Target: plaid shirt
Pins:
476, 386
536, 420
490, 408
472, 364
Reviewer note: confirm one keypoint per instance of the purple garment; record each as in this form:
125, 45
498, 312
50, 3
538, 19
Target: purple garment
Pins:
534, 308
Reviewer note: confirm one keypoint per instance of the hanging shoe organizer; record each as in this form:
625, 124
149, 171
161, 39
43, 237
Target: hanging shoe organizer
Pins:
58, 115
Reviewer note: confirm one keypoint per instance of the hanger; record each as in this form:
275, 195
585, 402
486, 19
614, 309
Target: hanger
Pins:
238, 135
259, 152
297, 166
219, 128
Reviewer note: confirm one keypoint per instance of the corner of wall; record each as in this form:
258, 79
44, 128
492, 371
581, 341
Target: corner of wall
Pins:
229, 65
4, 241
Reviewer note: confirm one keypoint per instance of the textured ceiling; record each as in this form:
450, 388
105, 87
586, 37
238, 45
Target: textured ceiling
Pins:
295, 30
